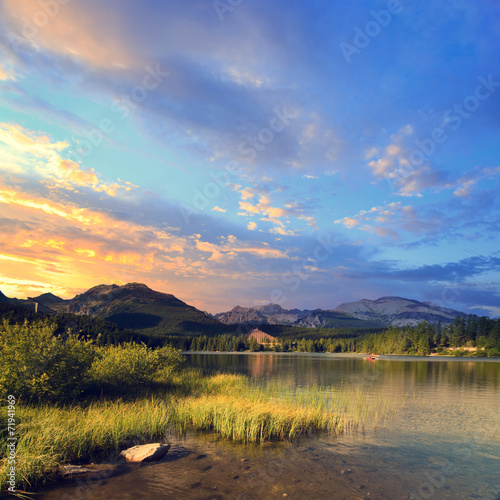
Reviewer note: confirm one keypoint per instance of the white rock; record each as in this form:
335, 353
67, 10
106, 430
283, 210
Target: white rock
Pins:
146, 452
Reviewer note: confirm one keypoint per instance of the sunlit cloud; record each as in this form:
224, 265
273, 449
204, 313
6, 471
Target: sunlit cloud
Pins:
29, 152
5, 73
218, 209
69, 29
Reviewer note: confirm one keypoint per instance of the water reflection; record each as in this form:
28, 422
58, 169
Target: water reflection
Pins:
330, 370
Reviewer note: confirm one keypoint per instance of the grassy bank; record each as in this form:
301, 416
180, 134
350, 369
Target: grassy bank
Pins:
232, 405
77, 402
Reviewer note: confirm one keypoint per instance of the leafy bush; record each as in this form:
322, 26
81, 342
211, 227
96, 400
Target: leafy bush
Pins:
40, 366
132, 365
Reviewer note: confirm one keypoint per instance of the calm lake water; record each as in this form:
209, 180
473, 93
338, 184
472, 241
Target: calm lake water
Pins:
442, 442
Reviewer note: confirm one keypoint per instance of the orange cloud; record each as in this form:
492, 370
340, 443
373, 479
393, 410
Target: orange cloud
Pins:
72, 29
5, 74
86, 217
31, 152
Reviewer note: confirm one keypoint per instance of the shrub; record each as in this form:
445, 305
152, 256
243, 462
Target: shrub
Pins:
133, 365
40, 366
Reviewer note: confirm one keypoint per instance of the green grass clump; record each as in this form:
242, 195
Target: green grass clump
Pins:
247, 419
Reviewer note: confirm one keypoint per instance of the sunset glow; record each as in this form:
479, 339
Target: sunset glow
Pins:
257, 154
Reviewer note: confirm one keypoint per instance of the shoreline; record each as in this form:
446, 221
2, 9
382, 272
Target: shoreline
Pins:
355, 355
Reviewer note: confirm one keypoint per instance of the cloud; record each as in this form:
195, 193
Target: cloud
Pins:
383, 219
6, 73
65, 226
19, 100
276, 215
396, 164
30, 153
230, 247
467, 182
221, 85
68, 29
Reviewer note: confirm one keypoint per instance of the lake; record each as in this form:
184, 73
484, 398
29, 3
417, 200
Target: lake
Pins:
440, 440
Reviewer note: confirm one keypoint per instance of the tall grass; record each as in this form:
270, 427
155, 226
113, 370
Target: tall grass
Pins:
50, 436
234, 406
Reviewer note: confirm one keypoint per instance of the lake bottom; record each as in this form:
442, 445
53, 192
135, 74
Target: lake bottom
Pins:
355, 466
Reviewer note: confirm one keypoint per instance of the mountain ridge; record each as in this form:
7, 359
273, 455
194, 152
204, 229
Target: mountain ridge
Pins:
383, 312
133, 306
136, 306
274, 314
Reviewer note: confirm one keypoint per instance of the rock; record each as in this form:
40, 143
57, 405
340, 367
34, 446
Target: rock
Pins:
79, 470
146, 452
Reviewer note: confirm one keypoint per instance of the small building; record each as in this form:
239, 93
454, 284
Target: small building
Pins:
262, 337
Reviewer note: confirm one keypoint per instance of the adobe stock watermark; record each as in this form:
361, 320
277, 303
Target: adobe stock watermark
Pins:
462, 452
449, 294
363, 37
48, 9
91, 139
223, 7
297, 274
250, 147
90, 482
452, 119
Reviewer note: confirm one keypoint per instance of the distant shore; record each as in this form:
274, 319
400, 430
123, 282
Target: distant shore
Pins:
356, 355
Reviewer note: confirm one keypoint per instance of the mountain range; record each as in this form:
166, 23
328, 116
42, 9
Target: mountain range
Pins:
274, 314
383, 312
135, 306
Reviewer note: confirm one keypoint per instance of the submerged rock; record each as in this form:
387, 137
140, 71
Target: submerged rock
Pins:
79, 470
146, 452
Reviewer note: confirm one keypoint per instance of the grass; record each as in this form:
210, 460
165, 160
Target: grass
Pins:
234, 406
51, 436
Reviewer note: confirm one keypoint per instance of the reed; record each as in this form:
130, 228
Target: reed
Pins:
51, 436
236, 407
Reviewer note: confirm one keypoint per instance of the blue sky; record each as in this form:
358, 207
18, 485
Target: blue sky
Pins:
245, 152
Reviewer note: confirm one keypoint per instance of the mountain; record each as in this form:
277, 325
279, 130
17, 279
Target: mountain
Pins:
135, 306
3, 298
49, 299
397, 311
274, 314
53, 302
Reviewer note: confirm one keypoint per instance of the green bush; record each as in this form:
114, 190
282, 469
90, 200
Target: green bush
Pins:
132, 365
40, 366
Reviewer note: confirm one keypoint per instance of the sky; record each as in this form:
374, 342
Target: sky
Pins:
305, 153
